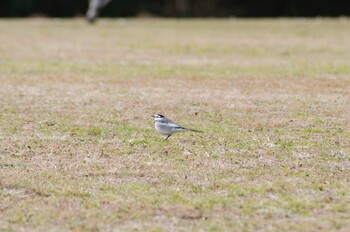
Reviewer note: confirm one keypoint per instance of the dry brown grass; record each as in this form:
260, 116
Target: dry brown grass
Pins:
79, 152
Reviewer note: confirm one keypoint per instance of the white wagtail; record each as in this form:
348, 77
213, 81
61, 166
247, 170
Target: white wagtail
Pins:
167, 127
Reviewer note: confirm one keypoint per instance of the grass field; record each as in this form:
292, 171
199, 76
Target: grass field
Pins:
79, 151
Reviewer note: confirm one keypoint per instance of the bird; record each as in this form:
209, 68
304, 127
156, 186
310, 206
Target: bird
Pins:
167, 127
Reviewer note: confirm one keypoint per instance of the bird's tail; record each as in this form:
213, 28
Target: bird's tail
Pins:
193, 130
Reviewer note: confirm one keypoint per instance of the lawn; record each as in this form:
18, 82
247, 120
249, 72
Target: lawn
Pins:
78, 149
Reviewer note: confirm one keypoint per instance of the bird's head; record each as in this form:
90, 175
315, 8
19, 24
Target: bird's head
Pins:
157, 117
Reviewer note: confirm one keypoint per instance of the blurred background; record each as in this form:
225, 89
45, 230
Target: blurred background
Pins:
177, 8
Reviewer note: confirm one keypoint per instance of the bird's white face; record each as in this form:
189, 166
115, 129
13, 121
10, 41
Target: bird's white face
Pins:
158, 117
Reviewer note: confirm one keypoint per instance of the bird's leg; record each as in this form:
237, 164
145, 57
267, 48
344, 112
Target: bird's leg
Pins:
167, 137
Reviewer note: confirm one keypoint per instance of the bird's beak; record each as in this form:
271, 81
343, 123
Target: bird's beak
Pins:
153, 116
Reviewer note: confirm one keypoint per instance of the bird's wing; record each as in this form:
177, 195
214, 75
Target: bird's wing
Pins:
173, 124
176, 127
181, 128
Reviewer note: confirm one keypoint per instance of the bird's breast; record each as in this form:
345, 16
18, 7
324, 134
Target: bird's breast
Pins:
163, 128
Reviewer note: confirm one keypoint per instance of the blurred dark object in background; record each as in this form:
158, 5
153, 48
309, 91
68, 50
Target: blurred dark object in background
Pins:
179, 8
94, 8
